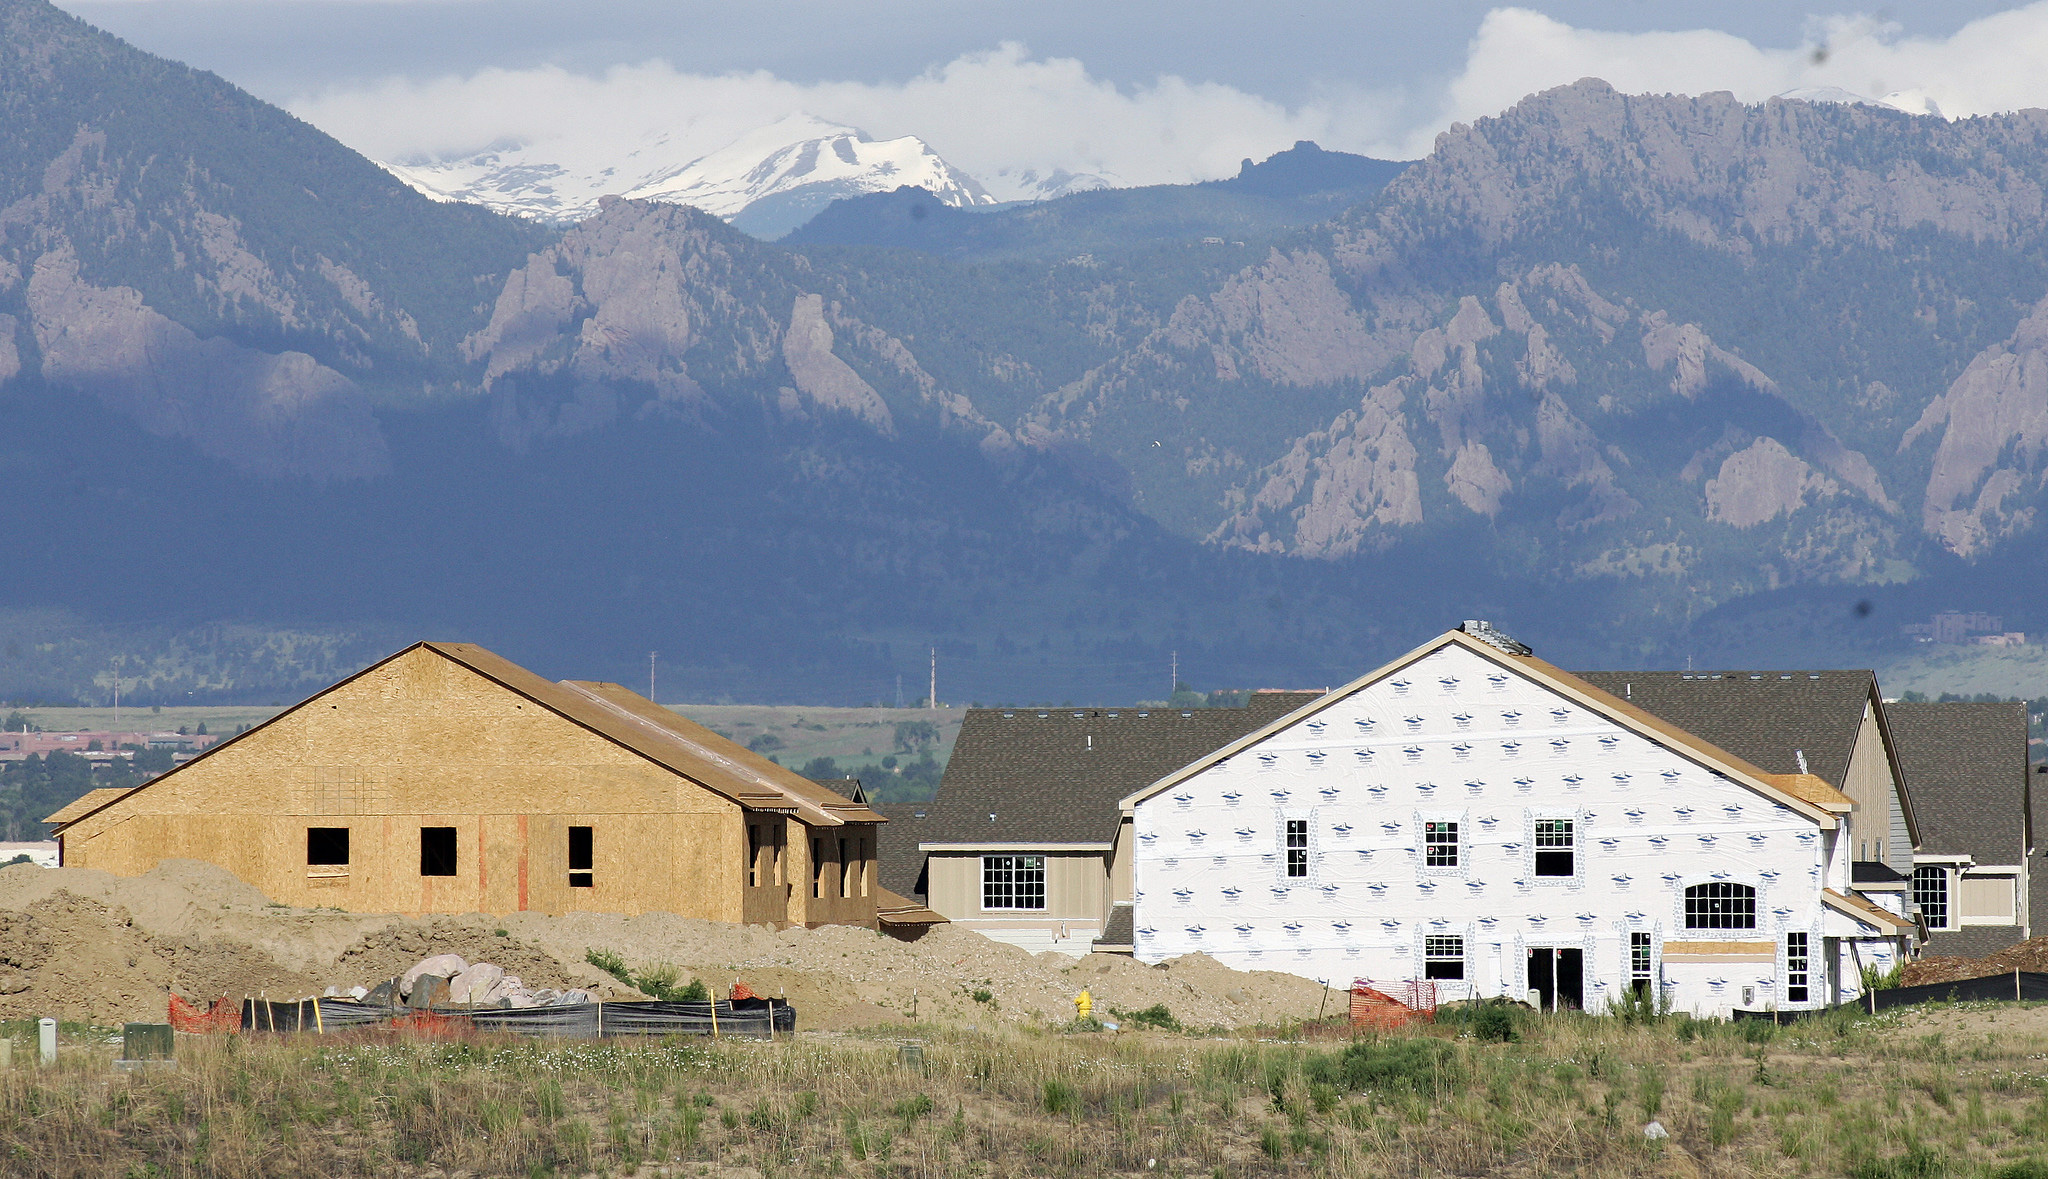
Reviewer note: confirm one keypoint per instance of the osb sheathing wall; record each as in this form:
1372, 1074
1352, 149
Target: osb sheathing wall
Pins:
424, 742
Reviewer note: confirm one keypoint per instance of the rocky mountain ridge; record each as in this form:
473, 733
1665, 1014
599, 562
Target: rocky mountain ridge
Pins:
1608, 367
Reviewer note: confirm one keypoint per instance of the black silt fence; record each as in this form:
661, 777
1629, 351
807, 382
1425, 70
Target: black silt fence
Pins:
2017, 987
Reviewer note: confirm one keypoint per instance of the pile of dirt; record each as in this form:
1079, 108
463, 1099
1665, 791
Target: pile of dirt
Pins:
81, 944
2030, 955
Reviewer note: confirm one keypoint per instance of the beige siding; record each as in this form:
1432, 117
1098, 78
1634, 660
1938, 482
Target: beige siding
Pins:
423, 741
1879, 823
1076, 887
1987, 900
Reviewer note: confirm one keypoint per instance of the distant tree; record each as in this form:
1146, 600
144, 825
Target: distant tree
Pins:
912, 736
16, 722
821, 767
202, 728
765, 743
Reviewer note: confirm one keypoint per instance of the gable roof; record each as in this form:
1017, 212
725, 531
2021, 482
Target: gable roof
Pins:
1056, 775
1966, 765
608, 710
1851, 905
1815, 800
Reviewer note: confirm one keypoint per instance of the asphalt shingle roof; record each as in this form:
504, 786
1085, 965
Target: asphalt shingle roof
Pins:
1765, 718
1056, 775
898, 863
1966, 768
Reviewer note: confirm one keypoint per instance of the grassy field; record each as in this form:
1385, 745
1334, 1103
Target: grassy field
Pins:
1953, 1091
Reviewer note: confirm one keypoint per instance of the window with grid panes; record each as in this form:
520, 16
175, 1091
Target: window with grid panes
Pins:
1720, 905
1555, 847
1639, 963
1013, 882
1443, 957
1930, 894
1798, 972
1439, 845
1297, 847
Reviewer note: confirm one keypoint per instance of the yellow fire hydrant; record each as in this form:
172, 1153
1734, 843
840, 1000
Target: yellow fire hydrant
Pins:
1084, 1003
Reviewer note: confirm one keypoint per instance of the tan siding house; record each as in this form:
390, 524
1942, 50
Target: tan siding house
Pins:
446, 779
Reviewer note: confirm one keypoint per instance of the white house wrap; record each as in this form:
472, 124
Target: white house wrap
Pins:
1474, 815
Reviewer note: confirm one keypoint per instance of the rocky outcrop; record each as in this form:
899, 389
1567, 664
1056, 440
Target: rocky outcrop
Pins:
1762, 482
1993, 421
829, 382
271, 414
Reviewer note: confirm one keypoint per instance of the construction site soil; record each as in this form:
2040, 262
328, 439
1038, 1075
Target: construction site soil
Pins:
2030, 955
85, 945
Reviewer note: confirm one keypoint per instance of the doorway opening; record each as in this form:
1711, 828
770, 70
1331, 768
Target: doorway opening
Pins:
1558, 977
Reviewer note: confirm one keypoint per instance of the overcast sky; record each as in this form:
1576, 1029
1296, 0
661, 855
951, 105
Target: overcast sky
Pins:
1140, 90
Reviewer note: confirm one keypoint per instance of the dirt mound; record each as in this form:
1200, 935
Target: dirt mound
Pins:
84, 944
2030, 955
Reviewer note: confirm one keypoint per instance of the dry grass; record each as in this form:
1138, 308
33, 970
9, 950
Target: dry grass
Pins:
1877, 1099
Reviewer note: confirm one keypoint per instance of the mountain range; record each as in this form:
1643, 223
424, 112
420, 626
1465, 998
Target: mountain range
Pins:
1641, 378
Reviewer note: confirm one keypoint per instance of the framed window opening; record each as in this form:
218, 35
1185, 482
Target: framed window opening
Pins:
582, 854
1296, 837
754, 855
1440, 844
1930, 894
1798, 968
846, 870
1641, 964
1443, 957
1556, 844
1013, 882
437, 851
1720, 904
327, 847
817, 868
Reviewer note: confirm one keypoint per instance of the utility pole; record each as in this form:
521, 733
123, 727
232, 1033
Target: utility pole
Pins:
1173, 677
932, 701
650, 673
899, 689
119, 662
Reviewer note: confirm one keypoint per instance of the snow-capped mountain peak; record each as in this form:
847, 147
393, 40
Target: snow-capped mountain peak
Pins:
774, 179
767, 182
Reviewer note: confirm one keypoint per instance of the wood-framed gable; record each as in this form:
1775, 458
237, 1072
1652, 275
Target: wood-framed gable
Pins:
1804, 794
608, 711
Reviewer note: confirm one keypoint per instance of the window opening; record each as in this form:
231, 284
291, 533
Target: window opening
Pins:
846, 870
580, 857
866, 867
1439, 845
1554, 847
817, 867
437, 851
753, 855
1297, 847
1720, 906
1930, 894
1639, 963
1797, 973
1443, 957
1013, 882
327, 847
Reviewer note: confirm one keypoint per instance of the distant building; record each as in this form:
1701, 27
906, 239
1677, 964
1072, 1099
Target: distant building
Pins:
446, 779
1955, 627
21, 746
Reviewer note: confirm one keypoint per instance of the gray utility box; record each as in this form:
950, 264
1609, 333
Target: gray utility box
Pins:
146, 1041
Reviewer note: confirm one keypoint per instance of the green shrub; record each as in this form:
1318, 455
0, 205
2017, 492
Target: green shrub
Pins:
912, 1108
2024, 1169
1417, 1064
1155, 1016
1060, 1097
1493, 1020
611, 964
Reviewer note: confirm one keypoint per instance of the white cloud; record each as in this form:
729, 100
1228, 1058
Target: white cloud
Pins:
992, 114
1989, 65
1002, 112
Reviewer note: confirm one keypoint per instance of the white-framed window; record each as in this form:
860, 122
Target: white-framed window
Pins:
1930, 894
1798, 968
1641, 963
1720, 904
1440, 843
1556, 847
1294, 836
1013, 882
1443, 956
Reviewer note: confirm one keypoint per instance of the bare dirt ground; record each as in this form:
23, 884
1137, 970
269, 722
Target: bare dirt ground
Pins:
2030, 955
80, 944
